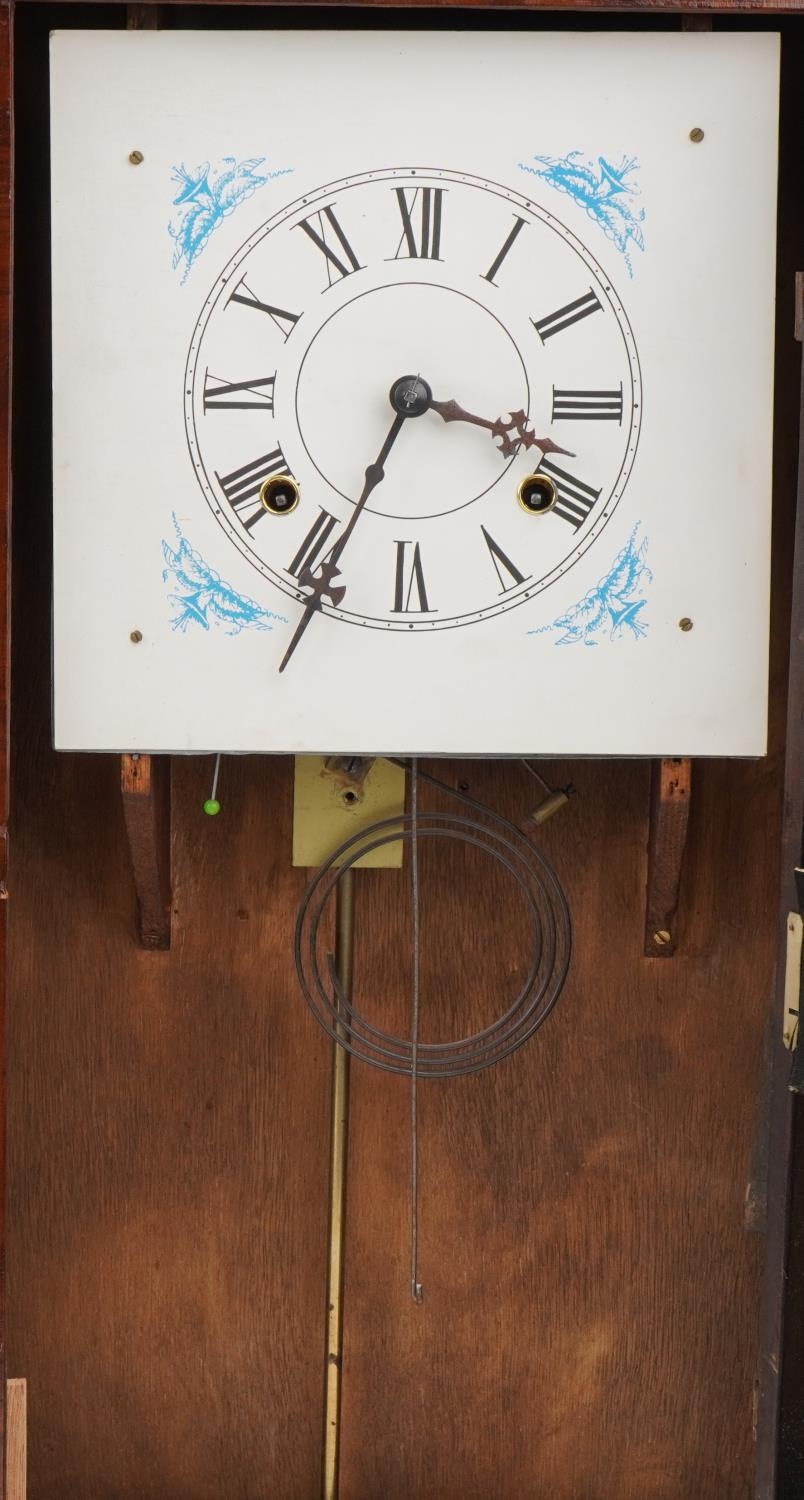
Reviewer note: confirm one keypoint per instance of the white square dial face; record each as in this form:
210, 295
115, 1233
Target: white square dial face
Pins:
412, 392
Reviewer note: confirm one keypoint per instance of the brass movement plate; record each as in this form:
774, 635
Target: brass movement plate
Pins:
328, 809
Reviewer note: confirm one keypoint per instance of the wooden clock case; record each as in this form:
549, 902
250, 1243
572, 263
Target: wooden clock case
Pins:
612, 1236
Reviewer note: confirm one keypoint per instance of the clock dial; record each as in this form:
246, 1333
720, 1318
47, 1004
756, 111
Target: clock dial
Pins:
514, 327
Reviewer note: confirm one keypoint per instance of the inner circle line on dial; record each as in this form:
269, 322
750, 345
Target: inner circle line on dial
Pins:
451, 291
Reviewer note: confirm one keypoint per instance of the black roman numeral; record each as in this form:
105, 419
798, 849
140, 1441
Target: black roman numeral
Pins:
279, 317
588, 406
575, 499
244, 395
500, 562
495, 265
414, 578
424, 241
332, 256
312, 549
242, 486
564, 317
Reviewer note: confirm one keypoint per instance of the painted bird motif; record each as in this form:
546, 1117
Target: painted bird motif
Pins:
203, 598
612, 606
604, 192
206, 196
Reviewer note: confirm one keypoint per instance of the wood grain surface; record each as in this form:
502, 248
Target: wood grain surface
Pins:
169, 1157
590, 1306
588, 1326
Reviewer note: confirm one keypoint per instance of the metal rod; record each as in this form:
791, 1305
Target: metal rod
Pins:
416, 1290
338, 1150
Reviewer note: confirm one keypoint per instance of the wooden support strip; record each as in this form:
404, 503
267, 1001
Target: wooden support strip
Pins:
16, 1440
669, 816
145, 784
142, 17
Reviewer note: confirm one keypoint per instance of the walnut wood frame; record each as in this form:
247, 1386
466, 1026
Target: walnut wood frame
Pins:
694, 14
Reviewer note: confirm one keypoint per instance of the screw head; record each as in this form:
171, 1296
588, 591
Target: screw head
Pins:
696, 134
136, 637
662, 937
685, 623
135, 157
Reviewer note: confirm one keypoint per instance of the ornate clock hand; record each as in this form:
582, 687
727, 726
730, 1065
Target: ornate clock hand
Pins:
410, 396
517, 424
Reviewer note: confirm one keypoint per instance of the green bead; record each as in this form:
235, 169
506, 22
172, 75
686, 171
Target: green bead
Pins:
211, 807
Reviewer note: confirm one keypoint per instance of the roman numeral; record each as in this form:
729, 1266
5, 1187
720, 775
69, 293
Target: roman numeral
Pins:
242, 486
588, 406
408, 579
311, 551
279, 317
574, 499
332, 257
564, 317
500, 562
224, 397
424, 243
495, 265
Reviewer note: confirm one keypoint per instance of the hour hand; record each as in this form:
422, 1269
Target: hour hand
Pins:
412, 394
515, 433
320, 584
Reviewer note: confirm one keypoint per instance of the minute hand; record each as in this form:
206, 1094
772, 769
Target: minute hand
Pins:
320, 582
516, 433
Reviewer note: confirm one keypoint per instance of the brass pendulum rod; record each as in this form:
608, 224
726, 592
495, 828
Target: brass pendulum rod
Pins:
339, 1141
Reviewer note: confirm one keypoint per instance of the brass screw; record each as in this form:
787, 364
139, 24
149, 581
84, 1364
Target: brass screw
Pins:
696, 134
685, 623
136, 637
135, 157
662, 937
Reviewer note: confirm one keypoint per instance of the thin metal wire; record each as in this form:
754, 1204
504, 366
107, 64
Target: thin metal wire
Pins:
531, 770
550, 929
213, 794
416, 1290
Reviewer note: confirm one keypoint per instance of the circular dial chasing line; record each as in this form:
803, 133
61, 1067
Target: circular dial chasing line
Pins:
536, 340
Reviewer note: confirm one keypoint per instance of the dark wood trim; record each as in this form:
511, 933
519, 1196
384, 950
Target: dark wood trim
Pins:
671, 784
145, 785
6, 272
141, 803
780, 1124
636, 7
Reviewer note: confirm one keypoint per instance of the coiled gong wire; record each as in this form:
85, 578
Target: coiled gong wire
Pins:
550, 942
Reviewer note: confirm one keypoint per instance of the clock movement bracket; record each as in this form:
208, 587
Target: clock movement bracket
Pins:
336, 797
671, 782
145, 788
